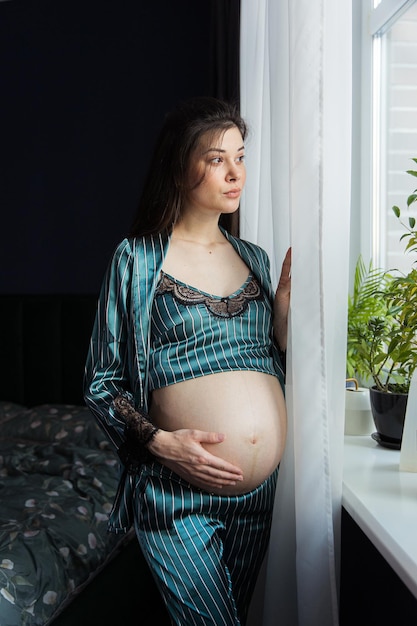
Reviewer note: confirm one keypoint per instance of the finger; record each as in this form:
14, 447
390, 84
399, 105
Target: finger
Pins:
286, 265
286, 268
210, 459
211, 465
216, 464
203, 476
204, 436
214, 481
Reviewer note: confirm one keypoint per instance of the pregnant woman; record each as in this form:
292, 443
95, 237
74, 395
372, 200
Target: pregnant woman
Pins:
185, 372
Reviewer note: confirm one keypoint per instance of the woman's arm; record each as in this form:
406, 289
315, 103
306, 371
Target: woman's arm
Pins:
282, 303
106, 371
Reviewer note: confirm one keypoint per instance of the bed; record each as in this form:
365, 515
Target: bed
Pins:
58, 477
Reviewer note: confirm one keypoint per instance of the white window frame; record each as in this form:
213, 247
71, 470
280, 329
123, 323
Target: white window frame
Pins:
371, 19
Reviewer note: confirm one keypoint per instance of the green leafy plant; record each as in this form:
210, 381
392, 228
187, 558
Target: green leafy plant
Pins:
411, 233
369, 325
382, 320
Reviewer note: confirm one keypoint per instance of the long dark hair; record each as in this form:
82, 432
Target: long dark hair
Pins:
166, 184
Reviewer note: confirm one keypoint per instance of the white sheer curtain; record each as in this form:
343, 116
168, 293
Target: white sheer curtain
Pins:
296, 96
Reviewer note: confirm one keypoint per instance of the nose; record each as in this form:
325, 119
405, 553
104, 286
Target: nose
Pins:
233, 173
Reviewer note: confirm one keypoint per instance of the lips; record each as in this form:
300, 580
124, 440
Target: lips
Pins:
233, 193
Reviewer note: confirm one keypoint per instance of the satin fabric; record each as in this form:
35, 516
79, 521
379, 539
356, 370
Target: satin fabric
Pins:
118, 354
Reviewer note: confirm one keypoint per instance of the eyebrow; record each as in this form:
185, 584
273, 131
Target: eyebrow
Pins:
221, 150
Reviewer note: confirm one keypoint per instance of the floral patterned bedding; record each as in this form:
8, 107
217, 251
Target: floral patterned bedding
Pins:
58, 477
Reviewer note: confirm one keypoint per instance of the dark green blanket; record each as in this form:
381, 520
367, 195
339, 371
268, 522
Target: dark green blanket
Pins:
58, 477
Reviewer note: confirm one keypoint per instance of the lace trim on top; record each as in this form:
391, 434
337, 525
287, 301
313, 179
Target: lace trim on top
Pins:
226, 307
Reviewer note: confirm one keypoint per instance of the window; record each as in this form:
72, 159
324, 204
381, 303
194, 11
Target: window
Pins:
393, 124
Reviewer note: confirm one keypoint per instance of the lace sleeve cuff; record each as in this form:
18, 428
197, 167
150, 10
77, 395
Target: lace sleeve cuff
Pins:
139, 431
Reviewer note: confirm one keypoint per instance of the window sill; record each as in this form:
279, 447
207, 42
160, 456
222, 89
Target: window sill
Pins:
383, 502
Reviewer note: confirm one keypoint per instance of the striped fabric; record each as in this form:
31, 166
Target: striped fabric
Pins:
204, 550
192, 335
118, 354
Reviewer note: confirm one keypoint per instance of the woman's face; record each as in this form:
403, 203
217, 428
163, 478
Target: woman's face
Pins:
217, 174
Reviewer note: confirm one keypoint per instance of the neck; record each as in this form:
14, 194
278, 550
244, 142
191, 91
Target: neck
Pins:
198, 231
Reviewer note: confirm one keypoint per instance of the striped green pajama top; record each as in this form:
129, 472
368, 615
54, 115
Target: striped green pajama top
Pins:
194, 333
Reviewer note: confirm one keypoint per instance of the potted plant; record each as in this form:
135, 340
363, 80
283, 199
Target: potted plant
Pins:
373, 352
382, 334
369, 321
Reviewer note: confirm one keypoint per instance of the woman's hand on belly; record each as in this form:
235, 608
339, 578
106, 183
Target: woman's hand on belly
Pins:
184, 453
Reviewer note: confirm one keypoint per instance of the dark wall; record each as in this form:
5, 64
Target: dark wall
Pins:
84, 86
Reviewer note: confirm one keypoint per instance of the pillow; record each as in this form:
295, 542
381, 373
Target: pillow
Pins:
56, 423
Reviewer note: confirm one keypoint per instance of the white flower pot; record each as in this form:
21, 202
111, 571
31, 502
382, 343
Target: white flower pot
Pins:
358, 414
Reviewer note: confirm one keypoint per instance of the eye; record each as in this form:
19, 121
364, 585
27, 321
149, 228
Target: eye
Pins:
241, 158
216, 160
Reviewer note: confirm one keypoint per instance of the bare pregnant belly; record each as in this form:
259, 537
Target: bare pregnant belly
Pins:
247, 407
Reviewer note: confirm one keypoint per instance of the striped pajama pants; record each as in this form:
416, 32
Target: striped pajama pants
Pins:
204, 550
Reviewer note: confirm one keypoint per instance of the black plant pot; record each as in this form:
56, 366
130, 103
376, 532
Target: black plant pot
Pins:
388, 411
